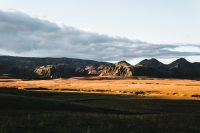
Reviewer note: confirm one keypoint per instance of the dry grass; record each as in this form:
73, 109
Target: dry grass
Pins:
160, 88
55, 106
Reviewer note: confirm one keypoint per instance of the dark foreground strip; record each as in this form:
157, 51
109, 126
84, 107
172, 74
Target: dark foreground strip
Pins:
12, 102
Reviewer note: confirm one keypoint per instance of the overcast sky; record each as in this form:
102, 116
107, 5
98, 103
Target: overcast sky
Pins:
104, 30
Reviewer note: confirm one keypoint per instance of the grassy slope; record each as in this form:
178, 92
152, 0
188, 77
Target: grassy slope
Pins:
27, 111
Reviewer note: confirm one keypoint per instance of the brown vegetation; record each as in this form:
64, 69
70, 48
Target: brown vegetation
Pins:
159, 88
88, 105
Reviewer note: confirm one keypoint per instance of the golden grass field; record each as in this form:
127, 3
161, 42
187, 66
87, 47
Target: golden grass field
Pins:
99, 104
147, 87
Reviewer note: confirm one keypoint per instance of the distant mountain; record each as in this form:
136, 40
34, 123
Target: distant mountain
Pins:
181, 68
177, 62
51, 68
151, 63
184, 69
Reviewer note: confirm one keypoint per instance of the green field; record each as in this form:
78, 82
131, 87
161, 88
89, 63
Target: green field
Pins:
63, 112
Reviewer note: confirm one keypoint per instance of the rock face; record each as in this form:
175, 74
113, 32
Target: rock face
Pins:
64, 71
95, 70
48, 72
121, 68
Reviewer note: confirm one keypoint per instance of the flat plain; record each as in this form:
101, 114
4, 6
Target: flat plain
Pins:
100, 105
140, 86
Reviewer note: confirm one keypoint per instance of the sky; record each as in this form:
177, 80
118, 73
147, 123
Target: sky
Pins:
104, 30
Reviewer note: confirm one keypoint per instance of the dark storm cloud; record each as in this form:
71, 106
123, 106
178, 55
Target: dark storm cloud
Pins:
23, 35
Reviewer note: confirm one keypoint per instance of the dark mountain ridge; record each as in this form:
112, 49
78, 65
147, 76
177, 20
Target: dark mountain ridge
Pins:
51, 68
28, 67
180, 68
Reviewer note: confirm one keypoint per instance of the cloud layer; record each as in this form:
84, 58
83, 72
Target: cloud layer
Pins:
23, 35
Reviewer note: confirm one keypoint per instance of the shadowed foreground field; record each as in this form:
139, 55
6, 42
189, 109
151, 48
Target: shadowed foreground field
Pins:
25, 111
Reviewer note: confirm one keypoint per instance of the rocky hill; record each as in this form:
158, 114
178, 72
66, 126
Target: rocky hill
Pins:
51, 68
121, 68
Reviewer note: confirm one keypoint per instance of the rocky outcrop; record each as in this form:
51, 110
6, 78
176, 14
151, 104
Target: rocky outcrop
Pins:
65, 71
121, 68
94, 70
48, 72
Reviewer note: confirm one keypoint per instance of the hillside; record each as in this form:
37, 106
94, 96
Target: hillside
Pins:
26, 67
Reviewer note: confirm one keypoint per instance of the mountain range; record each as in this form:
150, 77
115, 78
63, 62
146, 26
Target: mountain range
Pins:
52, 68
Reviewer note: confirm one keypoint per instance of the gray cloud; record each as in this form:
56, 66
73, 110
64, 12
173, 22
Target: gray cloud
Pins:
22, 35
